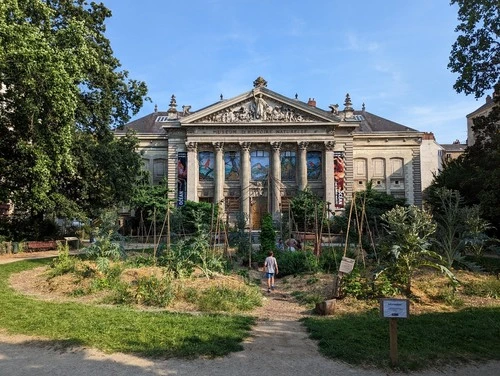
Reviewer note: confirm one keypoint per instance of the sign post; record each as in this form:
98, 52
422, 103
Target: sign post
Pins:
346, 267
394, 309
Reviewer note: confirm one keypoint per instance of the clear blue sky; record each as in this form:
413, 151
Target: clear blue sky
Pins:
390, 54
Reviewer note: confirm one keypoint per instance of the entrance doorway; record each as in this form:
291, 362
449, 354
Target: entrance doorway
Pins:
258, 208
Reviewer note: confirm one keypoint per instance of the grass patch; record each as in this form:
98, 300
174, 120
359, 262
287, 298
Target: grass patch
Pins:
487, 289
425, 340
221, 298
160, 334
309, 299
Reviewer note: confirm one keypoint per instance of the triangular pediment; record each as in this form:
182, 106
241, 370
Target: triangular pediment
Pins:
259, 106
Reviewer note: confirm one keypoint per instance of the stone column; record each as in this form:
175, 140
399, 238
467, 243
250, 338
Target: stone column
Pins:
302, 165
276, 170
219, 175
329, 172
192, 171
245, 179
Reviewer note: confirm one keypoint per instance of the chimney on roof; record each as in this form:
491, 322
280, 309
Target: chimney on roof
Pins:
489, 99
428, 136
311, 102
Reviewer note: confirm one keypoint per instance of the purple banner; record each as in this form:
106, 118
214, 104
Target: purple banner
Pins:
181, 178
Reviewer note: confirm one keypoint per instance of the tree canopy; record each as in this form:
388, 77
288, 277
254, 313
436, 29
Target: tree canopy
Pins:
62, 93
475, 55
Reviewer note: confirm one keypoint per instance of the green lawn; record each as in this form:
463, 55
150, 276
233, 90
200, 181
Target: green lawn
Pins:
113, 329
423, 341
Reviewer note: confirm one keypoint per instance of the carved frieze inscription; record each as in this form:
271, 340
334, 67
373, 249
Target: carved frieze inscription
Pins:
253, 130
258, 110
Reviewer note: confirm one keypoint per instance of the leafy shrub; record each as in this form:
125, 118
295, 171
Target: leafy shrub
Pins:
106, 248
267, 234
293, 263
409, 230
361, 284
63, 263
154, 291
121, 295
329, 259
141, 260
488, 264
355, 285
179, 260
106, 281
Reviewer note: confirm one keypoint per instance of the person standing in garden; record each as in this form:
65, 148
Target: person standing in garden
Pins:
291, 244
271, 269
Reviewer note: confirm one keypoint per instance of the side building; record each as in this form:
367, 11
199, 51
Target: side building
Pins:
253, 153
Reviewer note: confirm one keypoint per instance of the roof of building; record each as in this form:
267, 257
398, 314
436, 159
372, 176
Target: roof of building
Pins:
369, 123
148, 124
454, 147
487, 105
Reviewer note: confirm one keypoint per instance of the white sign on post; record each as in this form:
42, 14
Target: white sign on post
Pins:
394, 308
346, 265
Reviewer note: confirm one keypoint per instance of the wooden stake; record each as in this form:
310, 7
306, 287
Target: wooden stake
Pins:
393, 338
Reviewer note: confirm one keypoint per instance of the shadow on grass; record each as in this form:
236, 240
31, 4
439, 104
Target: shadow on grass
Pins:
423, 341
111, 329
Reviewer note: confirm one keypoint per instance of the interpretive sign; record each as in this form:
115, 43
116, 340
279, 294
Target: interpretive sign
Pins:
394, 308
346, 265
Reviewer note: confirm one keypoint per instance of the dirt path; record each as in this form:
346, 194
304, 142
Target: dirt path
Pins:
278, 345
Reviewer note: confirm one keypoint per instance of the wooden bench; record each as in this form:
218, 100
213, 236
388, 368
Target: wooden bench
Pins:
36, 246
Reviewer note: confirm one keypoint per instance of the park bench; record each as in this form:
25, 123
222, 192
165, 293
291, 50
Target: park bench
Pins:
36, 246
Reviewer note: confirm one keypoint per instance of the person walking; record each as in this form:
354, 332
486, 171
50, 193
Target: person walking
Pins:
271, 268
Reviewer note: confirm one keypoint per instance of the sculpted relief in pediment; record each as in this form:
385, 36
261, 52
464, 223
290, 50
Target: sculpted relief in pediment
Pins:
259, 109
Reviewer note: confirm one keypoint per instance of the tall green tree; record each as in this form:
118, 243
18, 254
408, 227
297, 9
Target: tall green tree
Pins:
62, 92
475, 55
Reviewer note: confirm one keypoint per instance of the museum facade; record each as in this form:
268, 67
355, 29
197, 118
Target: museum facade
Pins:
253, 153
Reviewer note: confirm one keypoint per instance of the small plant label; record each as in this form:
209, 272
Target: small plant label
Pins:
346, 265
394, 308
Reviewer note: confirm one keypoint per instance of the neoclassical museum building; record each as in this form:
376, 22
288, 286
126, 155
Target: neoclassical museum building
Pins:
254, 152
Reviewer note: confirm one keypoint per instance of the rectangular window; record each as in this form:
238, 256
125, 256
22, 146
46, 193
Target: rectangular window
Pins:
259, 161
314, 165
206, 165
288, 165
232, 165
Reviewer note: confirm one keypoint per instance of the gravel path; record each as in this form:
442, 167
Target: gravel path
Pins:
278, 346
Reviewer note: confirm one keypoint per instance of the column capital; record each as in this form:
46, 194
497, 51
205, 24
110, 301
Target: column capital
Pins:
245, 145
329, 145
191, 146
303, 145
276, 145
219, 146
